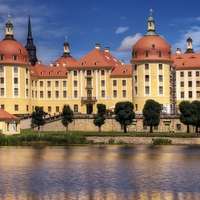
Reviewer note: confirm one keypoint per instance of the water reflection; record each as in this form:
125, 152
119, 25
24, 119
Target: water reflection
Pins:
100, 172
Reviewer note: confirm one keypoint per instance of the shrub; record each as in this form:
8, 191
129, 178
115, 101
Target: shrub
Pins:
111, 141
161, 141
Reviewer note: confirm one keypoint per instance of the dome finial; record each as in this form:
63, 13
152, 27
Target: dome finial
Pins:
9, 16
66, 38
151, 12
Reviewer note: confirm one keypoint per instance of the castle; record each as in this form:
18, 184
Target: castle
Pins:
98, 77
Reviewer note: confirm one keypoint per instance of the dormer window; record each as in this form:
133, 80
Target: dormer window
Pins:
25, 59
15, 57
95, 63
20, 51
58, 72
153, 46
1, 57
146, 53
83, 63
159, 54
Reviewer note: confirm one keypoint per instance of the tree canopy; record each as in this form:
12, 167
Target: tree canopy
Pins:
38, 117
188, 114
99, 118
67, 116
124, 113
151, 113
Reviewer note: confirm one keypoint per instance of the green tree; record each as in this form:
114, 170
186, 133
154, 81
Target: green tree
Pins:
99, 118
151, 113
188, 114
124, 113
196, 105
67, 116
38, 117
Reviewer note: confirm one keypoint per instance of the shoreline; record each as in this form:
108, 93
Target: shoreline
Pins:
142, 140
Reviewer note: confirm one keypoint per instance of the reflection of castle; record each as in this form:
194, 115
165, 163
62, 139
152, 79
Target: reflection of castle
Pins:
97, 77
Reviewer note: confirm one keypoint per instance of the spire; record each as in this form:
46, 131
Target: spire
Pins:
9, 30
151, 28
189, 45
66, 52
30, 47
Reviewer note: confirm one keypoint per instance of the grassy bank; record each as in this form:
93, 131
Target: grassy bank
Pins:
32, 137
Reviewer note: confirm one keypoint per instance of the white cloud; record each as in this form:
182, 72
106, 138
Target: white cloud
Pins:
128, 42
121, 29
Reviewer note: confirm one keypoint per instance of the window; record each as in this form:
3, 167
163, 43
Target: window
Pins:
56, 84
123, 82
15, 80
15, 69
27, 108
35, 94
64, 83
102, 83
49, 109
2, 106
115, 93
189, 74
75, 83
32, 93
182, 84
1, 69
159, 53
41, 94
76, 108
2, 80
102, 72
197, 73
146, 66
64, 94
26, 81
27, 93
198, 94
147, 78
160, 78
124, 93
160, 89
75, 94
182, 95
57, 109
89, 73
15, 57
189, 83
75, 73
16, 107
190, 94
48, 94
135, 67
102, 93
182, 74
146, 89
26, 70
135, 90
146, 54
178, 127
160, 67
2, 91
41, 83
1, 56
197, 83
57, 94
135, 79
114, 82
48, 83
15, 92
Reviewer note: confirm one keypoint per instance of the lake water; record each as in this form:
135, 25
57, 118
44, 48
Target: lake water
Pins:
111, 172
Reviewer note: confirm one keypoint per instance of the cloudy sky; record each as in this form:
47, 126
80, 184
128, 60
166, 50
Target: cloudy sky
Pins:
117, 24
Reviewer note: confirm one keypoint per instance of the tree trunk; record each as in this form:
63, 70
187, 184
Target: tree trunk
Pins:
38, 128
66, 128
151, 129
188, 128
99, 128
197, 129
124, 128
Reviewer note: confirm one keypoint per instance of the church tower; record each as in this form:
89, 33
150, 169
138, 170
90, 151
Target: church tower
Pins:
30, 46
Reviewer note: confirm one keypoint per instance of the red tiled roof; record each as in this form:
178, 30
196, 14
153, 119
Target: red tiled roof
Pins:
122, 71
7, 116
186, 61
96, 59
43, 71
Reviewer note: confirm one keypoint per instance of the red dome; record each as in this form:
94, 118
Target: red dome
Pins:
151, 47
13, 52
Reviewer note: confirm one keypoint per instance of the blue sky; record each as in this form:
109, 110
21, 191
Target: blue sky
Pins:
117, 24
